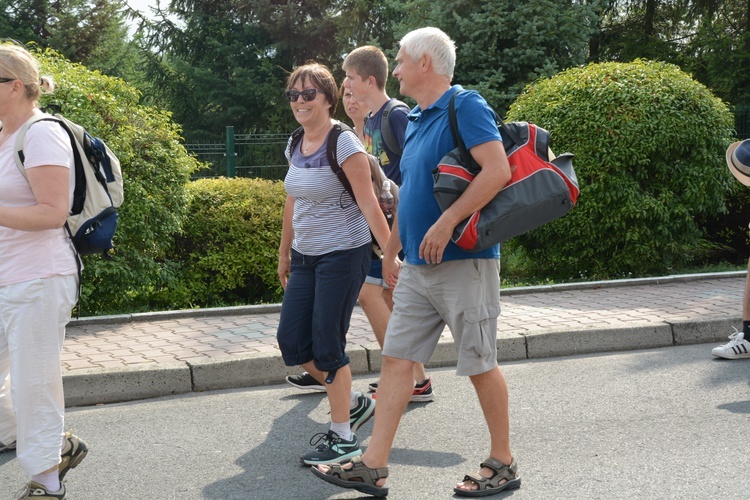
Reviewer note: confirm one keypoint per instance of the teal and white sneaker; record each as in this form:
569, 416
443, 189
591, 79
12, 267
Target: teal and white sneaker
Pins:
361, 413
332, 448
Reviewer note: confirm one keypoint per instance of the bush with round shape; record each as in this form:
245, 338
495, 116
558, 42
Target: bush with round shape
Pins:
649, 145
156, 169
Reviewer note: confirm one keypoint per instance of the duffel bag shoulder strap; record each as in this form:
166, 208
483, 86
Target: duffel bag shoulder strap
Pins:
466, 158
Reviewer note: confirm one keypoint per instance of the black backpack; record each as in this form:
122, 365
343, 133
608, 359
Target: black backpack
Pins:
385, 126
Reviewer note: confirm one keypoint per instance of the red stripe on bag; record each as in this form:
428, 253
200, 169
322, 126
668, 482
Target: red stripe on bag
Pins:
456, 171
468, 238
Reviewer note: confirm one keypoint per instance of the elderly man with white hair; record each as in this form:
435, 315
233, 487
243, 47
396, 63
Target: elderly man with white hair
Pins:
438, 283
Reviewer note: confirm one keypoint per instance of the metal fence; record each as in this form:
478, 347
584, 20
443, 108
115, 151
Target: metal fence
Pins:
742, 121
262, 155
242, 155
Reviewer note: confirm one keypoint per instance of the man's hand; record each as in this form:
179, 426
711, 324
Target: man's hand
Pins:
435, 240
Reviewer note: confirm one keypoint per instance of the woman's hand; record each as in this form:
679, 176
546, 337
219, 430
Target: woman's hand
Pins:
287, 235
284, 268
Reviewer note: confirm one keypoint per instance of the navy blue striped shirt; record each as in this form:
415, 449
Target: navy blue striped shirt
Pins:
326, 218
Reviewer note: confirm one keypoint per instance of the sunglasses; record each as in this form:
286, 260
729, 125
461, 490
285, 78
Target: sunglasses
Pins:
6, 80
307, 94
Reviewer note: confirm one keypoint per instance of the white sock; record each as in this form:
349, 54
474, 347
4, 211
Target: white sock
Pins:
353, 396
49, 480
342, 429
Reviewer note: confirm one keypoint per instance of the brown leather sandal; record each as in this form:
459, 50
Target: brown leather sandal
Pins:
504, 477
360, 477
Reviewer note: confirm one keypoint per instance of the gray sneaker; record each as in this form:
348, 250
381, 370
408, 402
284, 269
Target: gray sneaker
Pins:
7, 447
36, 490
73, 452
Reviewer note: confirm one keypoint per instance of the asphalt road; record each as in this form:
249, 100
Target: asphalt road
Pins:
667, 423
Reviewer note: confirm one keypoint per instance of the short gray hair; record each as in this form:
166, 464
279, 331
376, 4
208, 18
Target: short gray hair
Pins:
434, 43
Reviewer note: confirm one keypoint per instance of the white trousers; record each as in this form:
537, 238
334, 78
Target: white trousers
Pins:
33, 315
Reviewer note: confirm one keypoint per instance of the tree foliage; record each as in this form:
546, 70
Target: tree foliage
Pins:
707, 38
649, 146
90, 32
719, 52
503, 46
225, 63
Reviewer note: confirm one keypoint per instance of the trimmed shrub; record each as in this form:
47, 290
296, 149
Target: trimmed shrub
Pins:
229, 251
156, 169
649, 146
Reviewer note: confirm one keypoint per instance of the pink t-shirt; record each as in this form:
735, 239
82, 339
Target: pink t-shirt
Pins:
28, 255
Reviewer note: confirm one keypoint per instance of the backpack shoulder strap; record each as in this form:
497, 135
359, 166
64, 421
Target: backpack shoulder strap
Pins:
332, 153
296, 137
79, 191
385, 126
18, 146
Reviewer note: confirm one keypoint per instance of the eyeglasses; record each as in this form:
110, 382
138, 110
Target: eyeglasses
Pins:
6, 80
307, 94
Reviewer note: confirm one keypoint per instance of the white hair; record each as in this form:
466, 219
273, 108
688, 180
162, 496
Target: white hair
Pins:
434, 43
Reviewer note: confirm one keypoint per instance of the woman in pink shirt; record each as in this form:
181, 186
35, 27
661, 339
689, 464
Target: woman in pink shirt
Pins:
38, 281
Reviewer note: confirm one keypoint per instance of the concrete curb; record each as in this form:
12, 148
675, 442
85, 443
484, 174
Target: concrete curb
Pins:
113, 385
99, 386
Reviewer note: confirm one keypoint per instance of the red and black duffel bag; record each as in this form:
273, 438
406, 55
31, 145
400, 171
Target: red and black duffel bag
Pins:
540, 189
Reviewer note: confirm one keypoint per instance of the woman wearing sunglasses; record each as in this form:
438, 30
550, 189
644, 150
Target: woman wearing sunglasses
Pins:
324, 257
38, 281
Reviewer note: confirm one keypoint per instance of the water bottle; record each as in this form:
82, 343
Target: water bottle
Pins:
386, 200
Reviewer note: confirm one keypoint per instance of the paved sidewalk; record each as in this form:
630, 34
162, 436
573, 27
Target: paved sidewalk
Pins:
119, 358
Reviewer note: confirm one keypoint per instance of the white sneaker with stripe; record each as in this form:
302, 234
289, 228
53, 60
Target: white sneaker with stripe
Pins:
736, 348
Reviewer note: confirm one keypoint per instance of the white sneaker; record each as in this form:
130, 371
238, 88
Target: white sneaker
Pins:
736, 348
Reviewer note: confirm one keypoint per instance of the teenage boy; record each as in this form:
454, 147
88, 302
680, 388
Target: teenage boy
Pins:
384, 128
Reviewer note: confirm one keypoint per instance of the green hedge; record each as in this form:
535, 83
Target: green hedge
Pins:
229, 249
649, 145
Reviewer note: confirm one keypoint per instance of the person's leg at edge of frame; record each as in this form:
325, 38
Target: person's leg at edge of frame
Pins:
40, 429
492, 391
393, 396
738, 346
7, 414
746, 304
